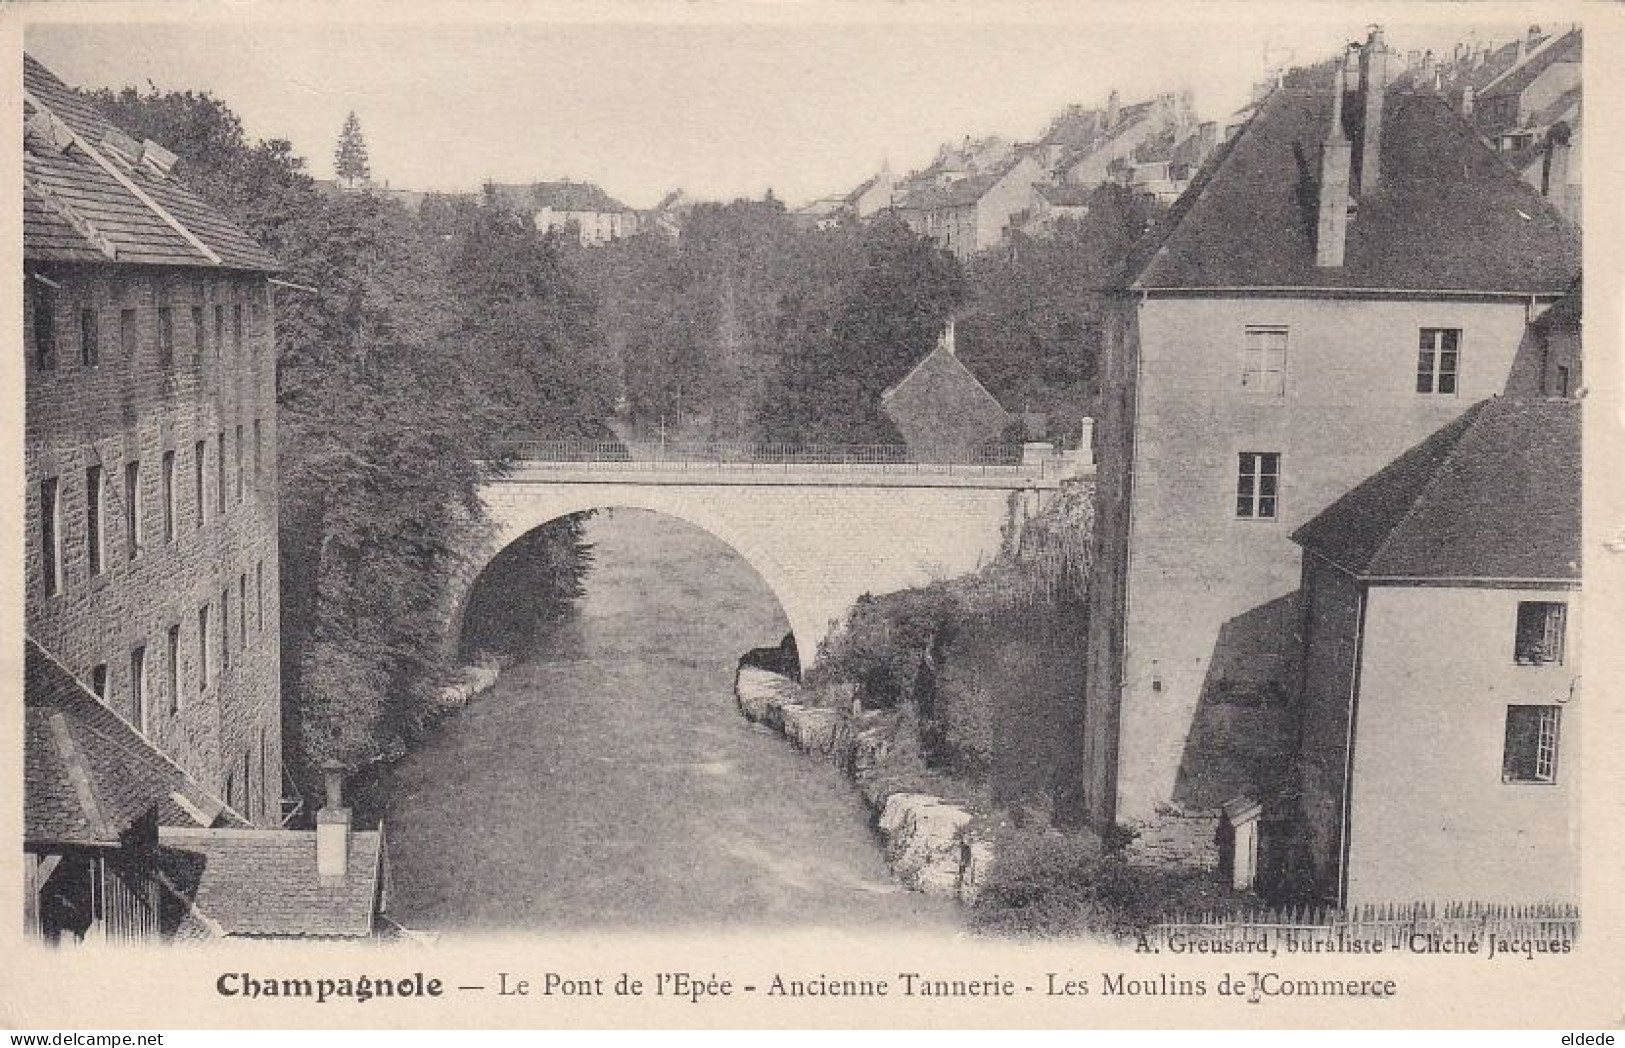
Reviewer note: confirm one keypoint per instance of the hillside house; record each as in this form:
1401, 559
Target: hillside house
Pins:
580, 209
968, 214
1321, 299
1441, 643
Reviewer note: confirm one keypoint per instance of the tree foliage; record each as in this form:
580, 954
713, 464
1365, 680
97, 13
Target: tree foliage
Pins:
398, 371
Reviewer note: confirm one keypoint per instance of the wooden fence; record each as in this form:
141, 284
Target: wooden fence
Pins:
1393, 925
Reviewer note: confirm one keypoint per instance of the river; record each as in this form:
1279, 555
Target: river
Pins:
608, 780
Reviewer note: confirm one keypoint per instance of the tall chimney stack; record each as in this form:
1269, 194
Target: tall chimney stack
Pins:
333, 830
1331, 230
1373, 86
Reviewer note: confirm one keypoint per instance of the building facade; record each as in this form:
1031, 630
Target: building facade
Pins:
1441, 645
1319, 301
150, 447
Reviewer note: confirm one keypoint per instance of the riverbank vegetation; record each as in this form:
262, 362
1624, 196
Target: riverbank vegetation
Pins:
403, 358
977, 684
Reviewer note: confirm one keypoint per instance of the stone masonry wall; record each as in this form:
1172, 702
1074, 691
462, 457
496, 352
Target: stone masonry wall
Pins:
118, 404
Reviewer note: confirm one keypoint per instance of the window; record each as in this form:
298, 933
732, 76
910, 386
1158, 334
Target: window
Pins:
95, 518
225, 630
126, 333
98, 681
89, 339
172, 647
197, 481
1263, 363
220, 472
258, 449
259, 595
1436, 361
169, 496
248, 786
219, 331
44, 297
197, 334
242, 611
1539, 638
133, 524
1562, 381
265, 763
239, 447
138, 685
1257, 485
203, 649
237, 329
50, 512
1531, 744
166, 337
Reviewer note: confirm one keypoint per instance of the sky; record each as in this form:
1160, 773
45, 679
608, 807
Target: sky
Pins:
719, 108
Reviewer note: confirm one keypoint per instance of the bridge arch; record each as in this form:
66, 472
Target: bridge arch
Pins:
819, 534
512, 520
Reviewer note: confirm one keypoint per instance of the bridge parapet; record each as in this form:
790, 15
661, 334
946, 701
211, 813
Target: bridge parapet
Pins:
845, 464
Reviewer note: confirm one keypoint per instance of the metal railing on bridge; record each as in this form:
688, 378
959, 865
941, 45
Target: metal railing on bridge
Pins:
767, 457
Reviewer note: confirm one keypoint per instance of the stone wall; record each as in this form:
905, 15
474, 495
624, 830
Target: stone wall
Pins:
118, 403
931, 845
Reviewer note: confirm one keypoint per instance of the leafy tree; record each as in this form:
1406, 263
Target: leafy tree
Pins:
383, 422
350, 156
1033, 325
528, 328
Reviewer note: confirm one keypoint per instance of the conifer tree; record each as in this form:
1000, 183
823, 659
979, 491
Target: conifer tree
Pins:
350, 158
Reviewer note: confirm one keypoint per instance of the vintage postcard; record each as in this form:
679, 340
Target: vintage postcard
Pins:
812, 515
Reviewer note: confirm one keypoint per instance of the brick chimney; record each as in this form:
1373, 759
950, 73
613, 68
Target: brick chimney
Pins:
1467, 100
1375, 63
946, 341
333, 830
1332, 228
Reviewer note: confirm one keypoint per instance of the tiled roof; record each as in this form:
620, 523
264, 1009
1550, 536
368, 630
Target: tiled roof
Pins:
264, 882
940, 404
1493, 495
78, 210
88, 774
1448, 214
1566, 48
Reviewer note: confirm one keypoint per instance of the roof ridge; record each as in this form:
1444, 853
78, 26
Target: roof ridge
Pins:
1204, 178
1469, 420
79, 775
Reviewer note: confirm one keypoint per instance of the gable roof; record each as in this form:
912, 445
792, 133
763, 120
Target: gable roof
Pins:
93, 194
1448, 215
1565, 48
1493, 495
88, 774
254, 882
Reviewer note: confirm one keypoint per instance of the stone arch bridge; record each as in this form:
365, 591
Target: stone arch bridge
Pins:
820, 525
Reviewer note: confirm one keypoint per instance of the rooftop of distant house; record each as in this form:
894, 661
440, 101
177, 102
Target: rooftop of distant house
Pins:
558, 196
1447, 214
92, 193
1494, 495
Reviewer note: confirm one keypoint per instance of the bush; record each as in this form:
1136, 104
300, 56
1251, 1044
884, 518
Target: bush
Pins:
885, 643
1049, 884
